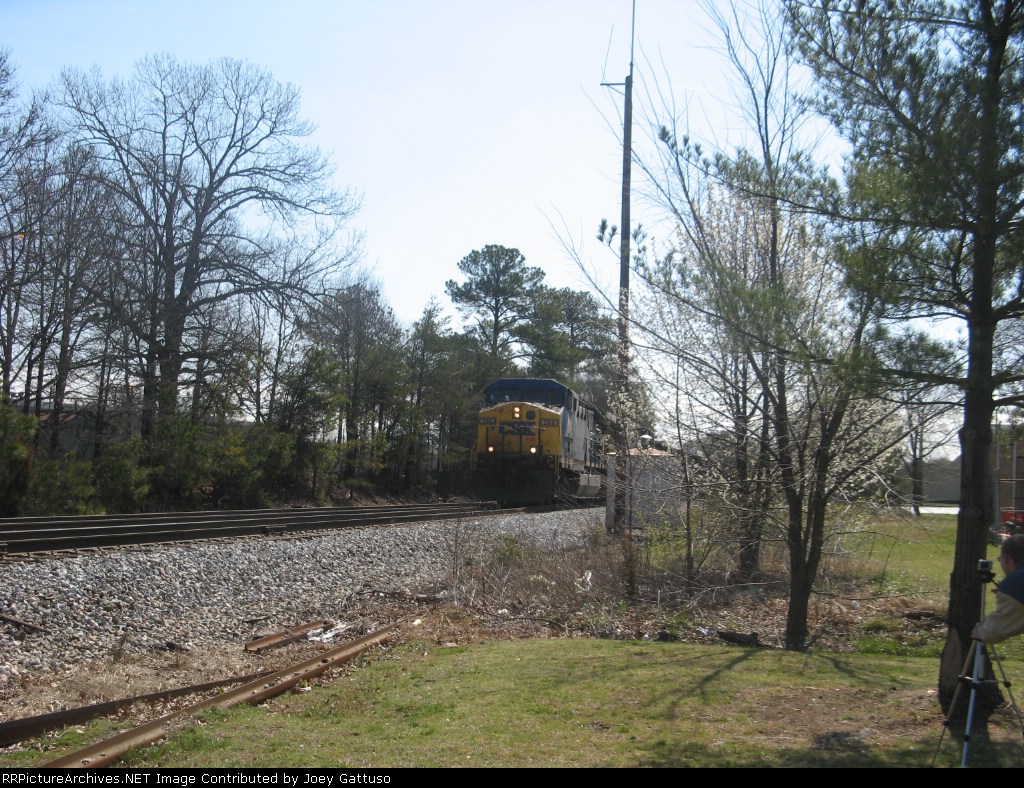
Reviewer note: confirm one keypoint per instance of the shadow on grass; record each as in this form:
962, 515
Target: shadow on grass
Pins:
840, 751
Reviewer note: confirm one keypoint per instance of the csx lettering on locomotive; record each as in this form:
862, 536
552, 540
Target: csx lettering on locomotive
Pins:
506, 428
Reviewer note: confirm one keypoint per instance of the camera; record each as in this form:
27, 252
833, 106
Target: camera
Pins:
984, 565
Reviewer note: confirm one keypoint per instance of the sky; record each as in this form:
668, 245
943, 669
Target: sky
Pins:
461, 123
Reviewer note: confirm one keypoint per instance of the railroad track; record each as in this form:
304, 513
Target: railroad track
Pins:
23, 728
256, 691
48, 534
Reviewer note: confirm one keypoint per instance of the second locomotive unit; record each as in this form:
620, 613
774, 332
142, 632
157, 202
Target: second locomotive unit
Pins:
537, 442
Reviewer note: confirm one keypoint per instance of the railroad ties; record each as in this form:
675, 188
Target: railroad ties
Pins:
22, 535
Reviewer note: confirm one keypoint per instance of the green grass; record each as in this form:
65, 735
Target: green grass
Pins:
906, 556
911, 558
594, 703
920, 645
590, 703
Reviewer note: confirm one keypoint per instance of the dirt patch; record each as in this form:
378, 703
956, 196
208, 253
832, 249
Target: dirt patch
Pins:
803, 713
745, 620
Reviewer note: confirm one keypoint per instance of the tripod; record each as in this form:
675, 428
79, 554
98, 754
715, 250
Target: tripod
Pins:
975, 656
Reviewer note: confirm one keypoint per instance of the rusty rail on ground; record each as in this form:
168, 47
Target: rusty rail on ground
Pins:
107, 752
287, 636
14, 731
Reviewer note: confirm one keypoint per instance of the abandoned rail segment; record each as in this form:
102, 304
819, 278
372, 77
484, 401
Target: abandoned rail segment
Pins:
45, 534
107, 752
24, 728
21, 729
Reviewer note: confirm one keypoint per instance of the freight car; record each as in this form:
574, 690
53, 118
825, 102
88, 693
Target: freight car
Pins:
538, 443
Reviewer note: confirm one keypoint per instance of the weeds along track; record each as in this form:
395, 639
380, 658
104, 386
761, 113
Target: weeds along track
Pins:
97, 625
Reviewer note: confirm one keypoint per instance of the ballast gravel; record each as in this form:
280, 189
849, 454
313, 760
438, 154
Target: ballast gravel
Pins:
183, 596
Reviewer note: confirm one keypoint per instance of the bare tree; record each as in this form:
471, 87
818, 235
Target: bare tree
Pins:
73, 216
213, 172
719, 410
24, 135
793, 352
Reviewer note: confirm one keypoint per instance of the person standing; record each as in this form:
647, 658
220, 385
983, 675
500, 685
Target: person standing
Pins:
1007, 619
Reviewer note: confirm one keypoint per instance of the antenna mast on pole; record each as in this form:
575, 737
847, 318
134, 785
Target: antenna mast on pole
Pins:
622, 445
625, 230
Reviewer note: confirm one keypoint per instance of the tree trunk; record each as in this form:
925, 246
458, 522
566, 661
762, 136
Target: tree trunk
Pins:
976, 515
799, 605
966, 591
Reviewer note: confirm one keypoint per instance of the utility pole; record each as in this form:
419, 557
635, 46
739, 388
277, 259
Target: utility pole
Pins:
621, 428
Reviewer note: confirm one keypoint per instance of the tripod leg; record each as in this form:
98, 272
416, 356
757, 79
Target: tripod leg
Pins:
975, 651
975, 677
1006, 685
956, 696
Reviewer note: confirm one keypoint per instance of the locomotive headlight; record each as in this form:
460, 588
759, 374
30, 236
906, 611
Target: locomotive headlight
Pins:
490, 450
515, 411
533, 450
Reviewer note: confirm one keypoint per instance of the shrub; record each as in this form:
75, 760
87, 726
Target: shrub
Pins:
122, 483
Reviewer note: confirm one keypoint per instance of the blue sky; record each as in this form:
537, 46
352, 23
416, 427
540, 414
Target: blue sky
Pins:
462, 123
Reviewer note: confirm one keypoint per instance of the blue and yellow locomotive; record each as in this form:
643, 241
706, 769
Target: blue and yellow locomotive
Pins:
537, 442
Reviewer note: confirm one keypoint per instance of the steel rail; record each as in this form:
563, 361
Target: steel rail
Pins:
107, 752
45, 523
285, 637
70, 534
18, 730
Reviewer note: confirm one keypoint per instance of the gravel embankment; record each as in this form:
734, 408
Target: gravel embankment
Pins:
203, 594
